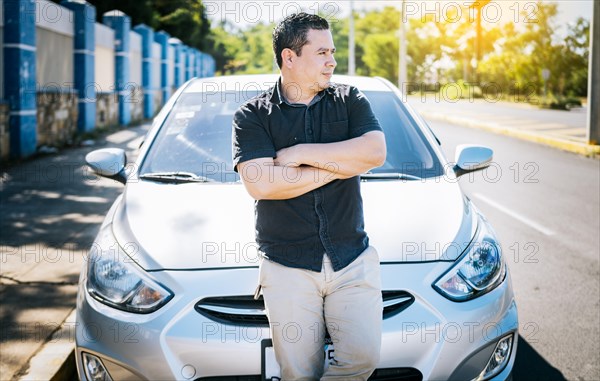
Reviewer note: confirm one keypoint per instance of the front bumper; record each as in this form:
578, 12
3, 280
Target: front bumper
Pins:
443, 340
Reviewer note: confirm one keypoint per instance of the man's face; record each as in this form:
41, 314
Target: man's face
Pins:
316, 63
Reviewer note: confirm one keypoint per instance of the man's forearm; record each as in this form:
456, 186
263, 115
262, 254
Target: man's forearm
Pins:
348, 158
274, 182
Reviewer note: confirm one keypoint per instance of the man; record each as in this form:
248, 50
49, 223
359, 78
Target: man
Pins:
300, 148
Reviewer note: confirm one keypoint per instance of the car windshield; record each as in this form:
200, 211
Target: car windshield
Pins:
196, 138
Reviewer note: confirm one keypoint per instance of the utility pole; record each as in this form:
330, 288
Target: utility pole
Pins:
351, 54
593, 132
402, 76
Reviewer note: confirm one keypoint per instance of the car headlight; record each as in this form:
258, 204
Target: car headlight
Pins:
113, 278
480, 269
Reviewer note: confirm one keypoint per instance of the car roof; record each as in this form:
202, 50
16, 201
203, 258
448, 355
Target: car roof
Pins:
262, 82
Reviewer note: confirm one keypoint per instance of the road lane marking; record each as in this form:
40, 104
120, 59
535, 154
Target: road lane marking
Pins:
515, 215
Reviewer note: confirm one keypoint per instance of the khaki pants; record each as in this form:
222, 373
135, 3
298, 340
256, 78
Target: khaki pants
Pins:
301, 304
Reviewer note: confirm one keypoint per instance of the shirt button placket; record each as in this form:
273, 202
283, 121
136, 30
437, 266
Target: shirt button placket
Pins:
308, 125
310, 139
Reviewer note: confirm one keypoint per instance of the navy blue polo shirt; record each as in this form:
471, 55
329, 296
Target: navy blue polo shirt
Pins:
297, 232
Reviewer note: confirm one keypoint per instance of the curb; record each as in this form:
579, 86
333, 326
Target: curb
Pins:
562, 144
55, 361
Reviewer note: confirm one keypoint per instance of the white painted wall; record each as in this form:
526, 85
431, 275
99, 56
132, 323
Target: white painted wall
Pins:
156, 69
54, 60
53, 17
135, 58
170, 66
104, 59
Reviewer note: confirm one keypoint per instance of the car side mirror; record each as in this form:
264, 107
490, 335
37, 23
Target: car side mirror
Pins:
108, 162
471, 158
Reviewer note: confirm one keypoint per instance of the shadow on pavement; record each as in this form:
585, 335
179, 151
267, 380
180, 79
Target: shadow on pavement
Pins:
531, 366
52, 207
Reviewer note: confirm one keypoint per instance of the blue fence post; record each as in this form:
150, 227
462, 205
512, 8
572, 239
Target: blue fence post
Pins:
20, 87
185, 61
205, 65
212, 66
177, 78
121, 24
200, 62
194, 60
147, 39
163, 39
84, 49
190, 61
202, 65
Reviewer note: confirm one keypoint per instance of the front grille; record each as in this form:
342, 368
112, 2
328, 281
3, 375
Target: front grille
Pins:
241, 310
389, 374
395, 302
396, 374
230, 378
245, 311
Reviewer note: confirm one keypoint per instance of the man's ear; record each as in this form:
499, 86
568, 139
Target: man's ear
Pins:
287, 55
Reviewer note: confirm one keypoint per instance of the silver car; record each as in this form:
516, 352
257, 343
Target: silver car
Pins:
167, 290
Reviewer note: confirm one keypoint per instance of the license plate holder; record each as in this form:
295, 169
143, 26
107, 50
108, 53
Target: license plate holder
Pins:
269, 368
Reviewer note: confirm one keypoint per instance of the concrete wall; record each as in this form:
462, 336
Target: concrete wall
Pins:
57, 114
107, 110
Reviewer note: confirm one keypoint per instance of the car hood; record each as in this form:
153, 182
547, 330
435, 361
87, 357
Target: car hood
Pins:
202, 226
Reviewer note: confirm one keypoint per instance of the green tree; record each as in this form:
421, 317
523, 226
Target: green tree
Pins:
340, 29
505, 69
185, 19
520, 55
140, 12
257, 50
381, 55
225, 45
575, 58
377, 43
538, 40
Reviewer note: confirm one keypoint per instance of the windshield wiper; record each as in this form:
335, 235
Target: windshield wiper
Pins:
175, 177
388, 176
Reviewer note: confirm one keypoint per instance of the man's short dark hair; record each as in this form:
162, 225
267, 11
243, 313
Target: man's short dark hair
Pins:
292, 33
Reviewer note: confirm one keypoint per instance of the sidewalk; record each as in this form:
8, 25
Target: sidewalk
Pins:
565, 130
52, 207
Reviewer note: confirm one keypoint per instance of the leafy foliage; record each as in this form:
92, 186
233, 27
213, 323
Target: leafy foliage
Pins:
184, 19
440, 50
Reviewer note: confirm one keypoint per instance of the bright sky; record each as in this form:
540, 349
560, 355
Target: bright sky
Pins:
247, 13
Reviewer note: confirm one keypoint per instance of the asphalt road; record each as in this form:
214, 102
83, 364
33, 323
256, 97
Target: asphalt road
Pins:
545, 207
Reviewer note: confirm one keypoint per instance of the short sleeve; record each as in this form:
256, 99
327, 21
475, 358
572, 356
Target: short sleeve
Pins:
250, 139
360, 115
